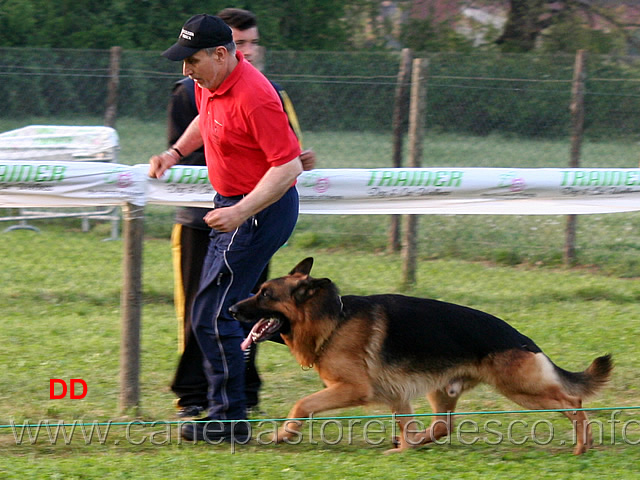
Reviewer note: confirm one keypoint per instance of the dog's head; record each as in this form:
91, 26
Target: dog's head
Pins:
283, 303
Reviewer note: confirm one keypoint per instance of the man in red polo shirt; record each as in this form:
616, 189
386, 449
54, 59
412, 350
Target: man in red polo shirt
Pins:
252, 157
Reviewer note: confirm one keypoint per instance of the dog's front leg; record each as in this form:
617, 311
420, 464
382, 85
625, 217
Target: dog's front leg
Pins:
335, 396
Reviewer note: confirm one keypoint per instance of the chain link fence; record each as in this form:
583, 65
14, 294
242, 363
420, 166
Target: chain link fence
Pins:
483, 110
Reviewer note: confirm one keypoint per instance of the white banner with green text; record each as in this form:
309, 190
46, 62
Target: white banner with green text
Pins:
513, 191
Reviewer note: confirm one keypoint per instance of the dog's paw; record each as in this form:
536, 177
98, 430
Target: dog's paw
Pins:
283, 434
580, 449
398, 446
392, 451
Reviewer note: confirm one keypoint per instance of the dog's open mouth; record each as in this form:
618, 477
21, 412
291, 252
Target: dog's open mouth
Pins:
261, 331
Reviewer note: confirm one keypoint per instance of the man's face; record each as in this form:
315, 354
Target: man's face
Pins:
204, 69
248, 42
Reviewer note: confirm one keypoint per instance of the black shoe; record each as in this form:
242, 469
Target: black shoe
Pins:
190, 411
255, 412
217, 431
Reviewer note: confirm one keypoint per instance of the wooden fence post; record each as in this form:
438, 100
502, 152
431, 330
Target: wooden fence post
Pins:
399, 123
131, 306
577, 128
112, 88
417, 112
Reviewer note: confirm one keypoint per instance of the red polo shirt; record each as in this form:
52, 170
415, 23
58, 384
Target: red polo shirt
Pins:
244, 129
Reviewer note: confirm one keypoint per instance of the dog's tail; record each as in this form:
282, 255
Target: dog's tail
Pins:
587, 383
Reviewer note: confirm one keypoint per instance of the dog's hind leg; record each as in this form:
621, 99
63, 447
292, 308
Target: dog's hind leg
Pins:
444, 403
530, 381
441, 425
582, 426
554, 398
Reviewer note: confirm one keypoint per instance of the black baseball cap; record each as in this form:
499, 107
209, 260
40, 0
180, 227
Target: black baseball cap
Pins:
200, 31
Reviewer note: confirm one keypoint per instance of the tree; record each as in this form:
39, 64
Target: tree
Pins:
302, 24
524, 24
424, 35
17, 22
154, 24
528, 19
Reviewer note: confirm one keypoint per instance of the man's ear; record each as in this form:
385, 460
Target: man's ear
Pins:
306, 289
303, 268
221, 53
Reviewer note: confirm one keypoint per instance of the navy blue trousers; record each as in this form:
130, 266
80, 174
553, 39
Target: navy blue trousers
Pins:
231, 268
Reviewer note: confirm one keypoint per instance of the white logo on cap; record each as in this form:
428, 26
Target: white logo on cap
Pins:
186, 34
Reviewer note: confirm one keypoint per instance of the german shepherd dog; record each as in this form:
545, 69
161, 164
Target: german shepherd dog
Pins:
392, 348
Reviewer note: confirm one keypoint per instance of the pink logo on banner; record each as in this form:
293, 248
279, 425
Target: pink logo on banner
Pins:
518, 185
322, 185
125, 179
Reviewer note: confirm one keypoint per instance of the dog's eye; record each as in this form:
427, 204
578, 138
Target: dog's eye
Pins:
264, 294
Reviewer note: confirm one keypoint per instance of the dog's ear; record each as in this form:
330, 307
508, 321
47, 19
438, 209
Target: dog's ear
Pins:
303, 268
308, 288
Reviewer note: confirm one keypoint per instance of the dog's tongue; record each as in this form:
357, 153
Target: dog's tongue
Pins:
254, 334
246, 343
262, 329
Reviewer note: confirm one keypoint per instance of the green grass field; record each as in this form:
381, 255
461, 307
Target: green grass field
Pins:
60, 304
59, 294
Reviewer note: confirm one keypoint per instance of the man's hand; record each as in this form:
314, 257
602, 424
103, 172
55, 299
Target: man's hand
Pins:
308, 159
158, 164
224, 219
271, 187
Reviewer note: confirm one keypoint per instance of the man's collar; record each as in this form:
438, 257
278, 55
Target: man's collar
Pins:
233, 76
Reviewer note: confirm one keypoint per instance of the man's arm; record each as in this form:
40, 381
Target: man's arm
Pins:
273, 185
307, 157
188, 142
